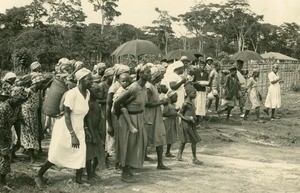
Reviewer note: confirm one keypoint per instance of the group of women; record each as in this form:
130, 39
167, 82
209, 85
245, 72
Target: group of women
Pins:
114, 111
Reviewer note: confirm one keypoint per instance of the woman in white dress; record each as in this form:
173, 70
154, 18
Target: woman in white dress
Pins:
273, 99
176, 82
67, 146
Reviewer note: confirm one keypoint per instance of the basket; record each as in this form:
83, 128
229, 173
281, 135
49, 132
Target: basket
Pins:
53, 97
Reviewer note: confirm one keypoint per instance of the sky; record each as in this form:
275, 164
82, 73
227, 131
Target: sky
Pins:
141, 12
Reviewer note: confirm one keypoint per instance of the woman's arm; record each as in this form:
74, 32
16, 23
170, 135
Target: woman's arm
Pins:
109, 102
74, 139
175, 85
121, 100
154, 104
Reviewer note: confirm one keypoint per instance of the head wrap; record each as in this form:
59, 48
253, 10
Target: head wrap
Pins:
35, 65
189, 89
82, 73
177, 64
109, 72
63, 61
170, 93
9, 75
155, 72
121, 68
99, 65
37, 77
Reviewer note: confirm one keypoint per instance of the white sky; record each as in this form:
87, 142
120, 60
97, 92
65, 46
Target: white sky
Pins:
141, 12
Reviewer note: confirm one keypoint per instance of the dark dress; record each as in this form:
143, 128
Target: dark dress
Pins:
187, 132
132, 147
171, 121
156, 132
95, 148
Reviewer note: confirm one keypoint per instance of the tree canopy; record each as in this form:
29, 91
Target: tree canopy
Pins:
46, 30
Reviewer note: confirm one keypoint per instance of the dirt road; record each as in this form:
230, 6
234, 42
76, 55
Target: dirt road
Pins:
238, 156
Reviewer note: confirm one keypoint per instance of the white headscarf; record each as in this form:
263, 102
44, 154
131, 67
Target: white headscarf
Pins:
82, 73
9, 75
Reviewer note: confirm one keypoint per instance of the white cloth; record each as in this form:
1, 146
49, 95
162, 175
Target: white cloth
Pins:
273, 99
241, 78
200, 103
180, 91
9, 75
61, 151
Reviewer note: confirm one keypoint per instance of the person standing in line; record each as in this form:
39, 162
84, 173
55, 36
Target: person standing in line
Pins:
30, 127
95, 153
104, 86
9, 115
111, 118
67, 146
132, 146
200, 82
231, 92
243, 86
156, 132
171, 121
187, 132
214, 83
273, 100
254, 97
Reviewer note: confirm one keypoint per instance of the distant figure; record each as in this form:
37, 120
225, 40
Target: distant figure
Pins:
231, 92
254, 97
273, 99
214, 82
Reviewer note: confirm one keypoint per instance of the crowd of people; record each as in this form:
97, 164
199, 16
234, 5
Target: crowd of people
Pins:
118, 111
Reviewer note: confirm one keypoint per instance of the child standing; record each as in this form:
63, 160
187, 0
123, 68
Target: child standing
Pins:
187, 131
171, 121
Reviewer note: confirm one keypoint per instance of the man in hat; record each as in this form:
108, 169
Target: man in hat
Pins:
208, 66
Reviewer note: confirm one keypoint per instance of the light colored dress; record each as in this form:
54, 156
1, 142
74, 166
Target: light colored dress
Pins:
132, 147
253, 99
273, 99
155, 129
61, 151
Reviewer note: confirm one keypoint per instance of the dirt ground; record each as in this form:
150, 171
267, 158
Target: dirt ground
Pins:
238, 156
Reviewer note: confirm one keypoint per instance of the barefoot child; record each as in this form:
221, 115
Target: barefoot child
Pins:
187, 131
171, 121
